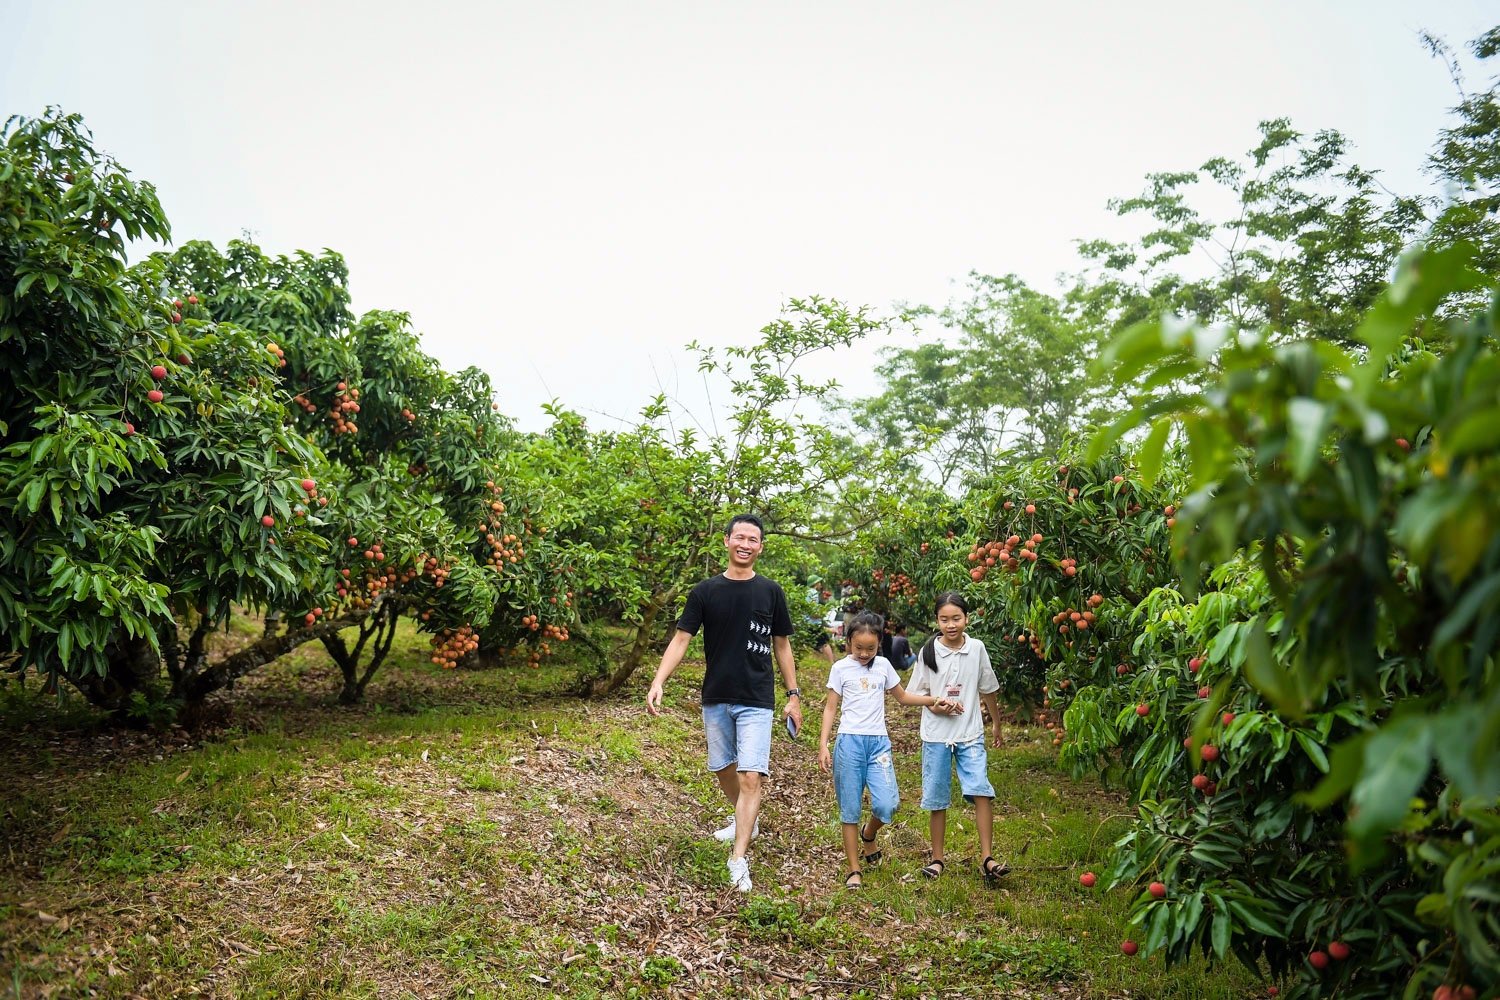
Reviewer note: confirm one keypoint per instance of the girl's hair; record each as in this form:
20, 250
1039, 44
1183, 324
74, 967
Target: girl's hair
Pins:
947, 597
865, 621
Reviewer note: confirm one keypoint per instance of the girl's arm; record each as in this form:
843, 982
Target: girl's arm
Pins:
830, 710
992, 705
905, 697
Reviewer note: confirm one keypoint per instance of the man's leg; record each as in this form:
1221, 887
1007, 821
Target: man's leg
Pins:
746, 811
753, 755
723, 757
729, 783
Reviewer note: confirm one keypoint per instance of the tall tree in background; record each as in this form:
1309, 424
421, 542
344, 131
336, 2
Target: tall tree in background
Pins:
1014, 383
1467, 158
1309, 244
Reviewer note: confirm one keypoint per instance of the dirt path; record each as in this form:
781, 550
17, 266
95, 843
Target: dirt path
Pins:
481, 847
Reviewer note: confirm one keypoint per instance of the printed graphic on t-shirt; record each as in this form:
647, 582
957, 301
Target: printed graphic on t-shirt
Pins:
759, 642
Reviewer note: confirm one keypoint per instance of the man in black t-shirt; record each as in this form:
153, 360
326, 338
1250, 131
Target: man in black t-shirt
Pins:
745, 620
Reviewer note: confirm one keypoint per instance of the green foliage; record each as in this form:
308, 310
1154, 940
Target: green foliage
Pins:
207, 430
1014, 385
1305, 249
640, 514
1347, 505
1467, 157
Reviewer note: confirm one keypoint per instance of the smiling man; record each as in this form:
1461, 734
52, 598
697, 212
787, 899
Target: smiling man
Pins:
744, 618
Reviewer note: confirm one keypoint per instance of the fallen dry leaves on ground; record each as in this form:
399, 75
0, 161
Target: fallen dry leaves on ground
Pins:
411, 856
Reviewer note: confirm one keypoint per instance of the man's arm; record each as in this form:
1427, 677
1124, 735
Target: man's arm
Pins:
783, 646
670, 661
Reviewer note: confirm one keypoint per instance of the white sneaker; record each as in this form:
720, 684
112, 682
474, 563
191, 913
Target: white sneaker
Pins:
725, 835
739, 873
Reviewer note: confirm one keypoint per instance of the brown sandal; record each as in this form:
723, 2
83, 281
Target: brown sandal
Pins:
872, 859
992, 870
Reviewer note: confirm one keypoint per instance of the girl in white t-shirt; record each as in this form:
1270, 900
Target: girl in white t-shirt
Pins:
956, 666
861, 758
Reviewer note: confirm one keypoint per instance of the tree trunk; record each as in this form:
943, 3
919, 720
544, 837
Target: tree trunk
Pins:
348, 665
195, 687
583, 686
273, 620
134, 666
611, 681
381, 626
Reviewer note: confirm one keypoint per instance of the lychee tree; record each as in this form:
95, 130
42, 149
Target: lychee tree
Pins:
1057, 554
895, 566
154, 477
139, 491
416, 449
640, 513
1325, 782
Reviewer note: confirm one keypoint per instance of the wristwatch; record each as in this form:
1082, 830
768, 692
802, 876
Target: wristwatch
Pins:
793, 693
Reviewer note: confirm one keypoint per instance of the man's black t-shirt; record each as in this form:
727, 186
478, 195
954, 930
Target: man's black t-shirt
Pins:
739, 618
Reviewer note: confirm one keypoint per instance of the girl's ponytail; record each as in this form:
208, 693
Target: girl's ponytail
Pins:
929, 654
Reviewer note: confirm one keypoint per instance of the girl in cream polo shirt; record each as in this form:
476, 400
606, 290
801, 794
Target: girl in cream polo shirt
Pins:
955, 666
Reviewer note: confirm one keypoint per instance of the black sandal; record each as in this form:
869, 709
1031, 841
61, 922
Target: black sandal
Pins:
933, 868
870, 859
993, 869
849, 884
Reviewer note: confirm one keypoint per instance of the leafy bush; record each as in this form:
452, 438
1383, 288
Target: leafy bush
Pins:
1341, 558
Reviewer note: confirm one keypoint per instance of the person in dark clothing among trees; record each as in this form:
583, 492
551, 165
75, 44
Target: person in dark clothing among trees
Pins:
745, 620
901, 655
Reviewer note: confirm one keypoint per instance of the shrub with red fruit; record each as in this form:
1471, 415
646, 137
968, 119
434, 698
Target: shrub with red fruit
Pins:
179, 515
1333, 594
1051, 586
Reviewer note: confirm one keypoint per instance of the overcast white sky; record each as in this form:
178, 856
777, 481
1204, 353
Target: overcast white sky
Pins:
565, 194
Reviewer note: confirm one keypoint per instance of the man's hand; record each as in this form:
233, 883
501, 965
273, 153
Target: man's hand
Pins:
825, 760
997, 733
794, 710
653, 698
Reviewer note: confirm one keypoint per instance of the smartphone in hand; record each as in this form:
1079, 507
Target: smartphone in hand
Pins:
791, 726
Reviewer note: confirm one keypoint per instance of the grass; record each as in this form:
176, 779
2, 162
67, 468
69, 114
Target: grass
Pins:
465, 834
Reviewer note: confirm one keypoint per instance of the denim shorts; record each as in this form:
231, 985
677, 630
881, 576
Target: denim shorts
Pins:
937, 773
861, 762
738, 734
